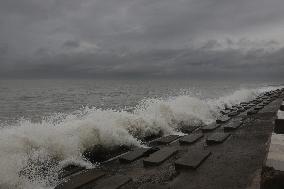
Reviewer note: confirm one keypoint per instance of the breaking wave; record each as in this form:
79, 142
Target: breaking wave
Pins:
32, 153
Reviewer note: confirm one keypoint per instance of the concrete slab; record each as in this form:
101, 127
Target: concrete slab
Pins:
217, 138
234, 113
224, 112
233, 125
258, 107
192, 160
136, 154
113, 182
70, 170
81, 179
246, 107
190, 139
189, 129
240, 109
160, 156
251, 112
251, 105
223, 119
210, 127
164, 140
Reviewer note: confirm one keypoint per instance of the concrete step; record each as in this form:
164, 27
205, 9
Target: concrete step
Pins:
81, 179
210, 127
69, 170
192, 160
233, 125
251, 112
113, 182
189, 129
223, 119
190, 139
234, 113
217, 138
164, 140
259, 107
136, 154
224, 112
160, 156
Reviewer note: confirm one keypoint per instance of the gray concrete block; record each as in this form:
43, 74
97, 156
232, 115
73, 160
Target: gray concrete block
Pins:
234, 113
210, 127
136, 154
113, 182
189, 129
223, 119
224, 112
240, 109
164, 140
160, 156
190, 139
217, 138
259, 107
232, 125
192, 160
81, 179
70, 170
251, 112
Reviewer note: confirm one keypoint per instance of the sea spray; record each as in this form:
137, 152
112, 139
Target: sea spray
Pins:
32, 153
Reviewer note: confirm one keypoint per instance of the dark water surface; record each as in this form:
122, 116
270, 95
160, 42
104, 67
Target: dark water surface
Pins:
36, 98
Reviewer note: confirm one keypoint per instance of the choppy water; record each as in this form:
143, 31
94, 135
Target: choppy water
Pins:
49, 123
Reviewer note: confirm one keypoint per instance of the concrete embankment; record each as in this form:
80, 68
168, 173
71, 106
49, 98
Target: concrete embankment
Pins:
231, 153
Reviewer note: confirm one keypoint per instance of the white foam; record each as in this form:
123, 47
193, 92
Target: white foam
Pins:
26, 148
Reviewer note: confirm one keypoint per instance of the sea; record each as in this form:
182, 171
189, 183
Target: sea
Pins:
47, 124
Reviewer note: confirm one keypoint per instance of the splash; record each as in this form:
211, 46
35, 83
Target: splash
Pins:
33, 153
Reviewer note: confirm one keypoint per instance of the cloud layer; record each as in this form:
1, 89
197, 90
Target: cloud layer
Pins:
133, 38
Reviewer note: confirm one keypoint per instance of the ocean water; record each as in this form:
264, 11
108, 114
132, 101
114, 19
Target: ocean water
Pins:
47, 124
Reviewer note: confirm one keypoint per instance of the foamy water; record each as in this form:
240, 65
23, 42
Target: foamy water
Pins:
33, 152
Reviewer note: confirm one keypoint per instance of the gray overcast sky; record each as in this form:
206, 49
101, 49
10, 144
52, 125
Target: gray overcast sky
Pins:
90, 38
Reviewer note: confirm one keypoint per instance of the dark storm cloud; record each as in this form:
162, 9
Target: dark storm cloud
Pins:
71, 38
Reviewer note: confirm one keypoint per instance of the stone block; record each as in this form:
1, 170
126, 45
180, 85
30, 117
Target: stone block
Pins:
217, 138
136, 154
190, 139
81, 179
160, 156
192, 160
